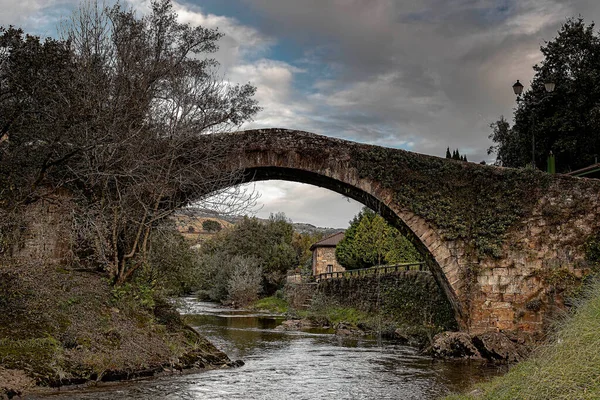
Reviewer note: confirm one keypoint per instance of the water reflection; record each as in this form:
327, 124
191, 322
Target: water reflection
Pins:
297, 365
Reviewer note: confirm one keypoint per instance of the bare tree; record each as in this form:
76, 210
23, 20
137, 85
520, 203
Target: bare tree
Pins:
135, 122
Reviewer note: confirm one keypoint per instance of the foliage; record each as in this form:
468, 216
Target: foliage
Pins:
455, 155
271, 304
135, 295
566, 121
566, 368
210, 225
592, 250
172, 266
301, 243
371, 241
116, 114
446, 194
244, 284
39, 355
269, 243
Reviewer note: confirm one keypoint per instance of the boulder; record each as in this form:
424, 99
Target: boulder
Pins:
499, 346
454, 345
295, 325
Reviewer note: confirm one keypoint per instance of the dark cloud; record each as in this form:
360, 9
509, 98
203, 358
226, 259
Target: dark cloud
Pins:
435, 72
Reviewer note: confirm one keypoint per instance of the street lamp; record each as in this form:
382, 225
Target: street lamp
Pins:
518, 89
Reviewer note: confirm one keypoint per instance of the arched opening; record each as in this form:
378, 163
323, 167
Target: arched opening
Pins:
362, 196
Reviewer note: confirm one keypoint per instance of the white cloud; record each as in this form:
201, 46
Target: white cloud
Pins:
306, 203
35, 16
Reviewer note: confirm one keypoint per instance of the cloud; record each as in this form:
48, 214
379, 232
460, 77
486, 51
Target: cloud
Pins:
35, 16
432, 73
306, 203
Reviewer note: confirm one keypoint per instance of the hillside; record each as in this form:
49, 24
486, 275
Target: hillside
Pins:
189, 224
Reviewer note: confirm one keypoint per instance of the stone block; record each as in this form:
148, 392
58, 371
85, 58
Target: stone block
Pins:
506, 280
501, 304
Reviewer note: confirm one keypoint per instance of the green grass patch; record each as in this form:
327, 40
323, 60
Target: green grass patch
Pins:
39, 357
271, 304
567, 368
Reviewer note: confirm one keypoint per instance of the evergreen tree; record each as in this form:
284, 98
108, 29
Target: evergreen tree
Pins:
370, 241
566, 121
448, 155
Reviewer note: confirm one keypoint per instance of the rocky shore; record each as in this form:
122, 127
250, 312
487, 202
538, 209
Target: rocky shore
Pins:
504, 347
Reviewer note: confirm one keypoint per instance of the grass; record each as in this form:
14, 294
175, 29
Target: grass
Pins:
567, 368
271, 304
38, 356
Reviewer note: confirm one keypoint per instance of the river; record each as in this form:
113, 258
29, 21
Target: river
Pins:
296, 365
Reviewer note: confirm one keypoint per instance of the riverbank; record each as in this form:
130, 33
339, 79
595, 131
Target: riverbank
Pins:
407, 306
401, 313
62, 326
567, 367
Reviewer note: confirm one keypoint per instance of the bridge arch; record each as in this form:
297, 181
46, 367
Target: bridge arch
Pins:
252, 165
491, 236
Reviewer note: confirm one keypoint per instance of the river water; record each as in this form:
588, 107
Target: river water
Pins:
296, 365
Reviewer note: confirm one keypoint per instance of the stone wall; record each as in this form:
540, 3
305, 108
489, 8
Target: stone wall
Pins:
324, 256
46, 231
407, 298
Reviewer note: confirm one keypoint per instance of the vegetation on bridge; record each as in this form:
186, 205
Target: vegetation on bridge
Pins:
475, 204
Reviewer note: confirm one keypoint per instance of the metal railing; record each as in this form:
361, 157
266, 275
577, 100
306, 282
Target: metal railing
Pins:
379, 270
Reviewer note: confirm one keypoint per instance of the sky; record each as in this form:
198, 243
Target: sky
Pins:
416, 75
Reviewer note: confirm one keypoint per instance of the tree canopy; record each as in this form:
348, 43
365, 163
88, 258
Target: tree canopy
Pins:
371, 241
269, 243
116, 113
565, 121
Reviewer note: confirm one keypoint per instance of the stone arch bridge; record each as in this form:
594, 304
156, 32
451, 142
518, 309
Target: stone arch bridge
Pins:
502, 243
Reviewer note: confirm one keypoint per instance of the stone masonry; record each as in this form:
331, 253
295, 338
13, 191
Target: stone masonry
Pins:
515, 289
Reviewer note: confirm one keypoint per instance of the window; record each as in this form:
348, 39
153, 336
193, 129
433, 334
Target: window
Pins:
329, 268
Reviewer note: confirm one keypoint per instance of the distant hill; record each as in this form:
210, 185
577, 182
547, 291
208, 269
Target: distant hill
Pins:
189, 224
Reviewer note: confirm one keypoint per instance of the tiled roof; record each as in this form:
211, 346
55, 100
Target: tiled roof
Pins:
329, 241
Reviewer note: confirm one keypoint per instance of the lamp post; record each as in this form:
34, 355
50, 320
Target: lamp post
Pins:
518, 89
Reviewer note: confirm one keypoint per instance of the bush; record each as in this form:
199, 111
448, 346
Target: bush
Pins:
244, 285
210, 225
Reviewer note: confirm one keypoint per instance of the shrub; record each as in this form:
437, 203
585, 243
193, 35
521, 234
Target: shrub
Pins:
244, 285
210, 225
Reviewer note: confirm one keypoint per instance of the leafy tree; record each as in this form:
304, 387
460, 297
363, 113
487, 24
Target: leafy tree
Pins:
210, 225
301, 244
172, 267
370, 241
566, 121
269, 243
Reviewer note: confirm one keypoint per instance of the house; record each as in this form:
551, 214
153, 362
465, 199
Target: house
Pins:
323, 255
